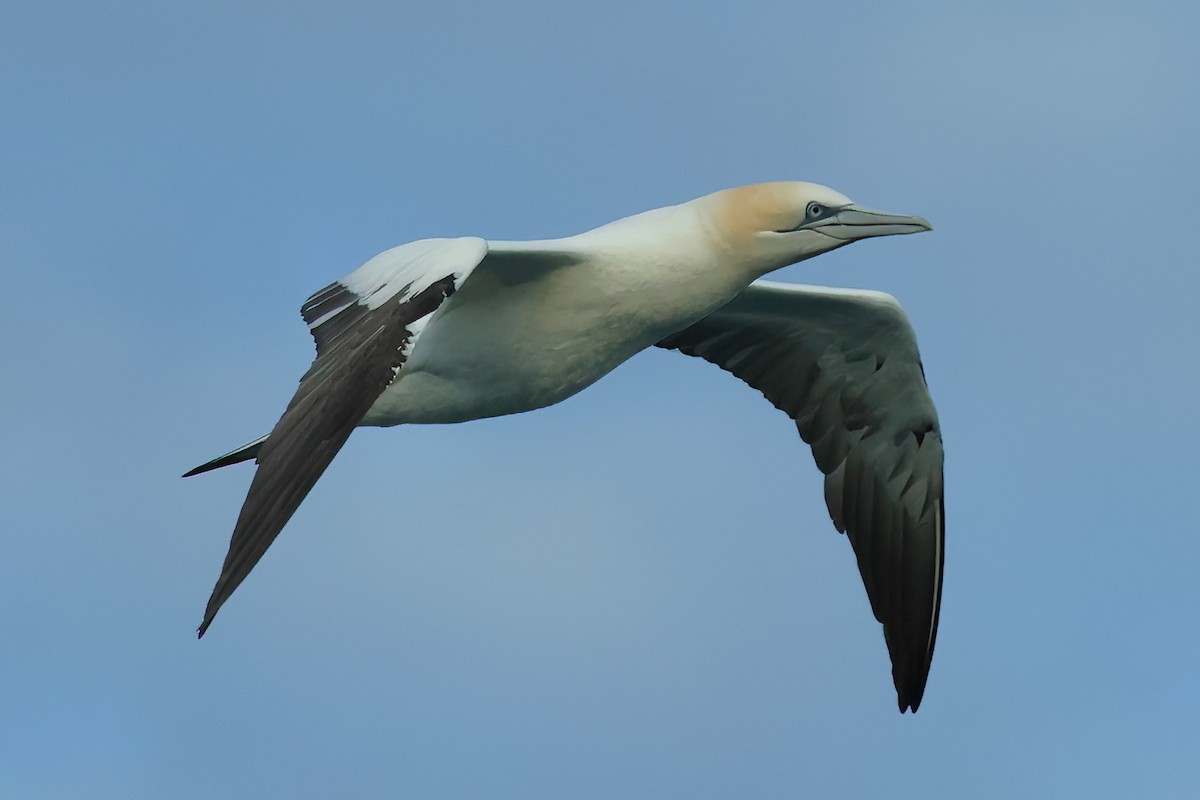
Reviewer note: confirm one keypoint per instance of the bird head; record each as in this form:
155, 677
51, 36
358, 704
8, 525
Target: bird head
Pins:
775, 224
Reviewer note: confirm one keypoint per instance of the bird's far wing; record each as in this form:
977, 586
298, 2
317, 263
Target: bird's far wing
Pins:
363, 326
844, 365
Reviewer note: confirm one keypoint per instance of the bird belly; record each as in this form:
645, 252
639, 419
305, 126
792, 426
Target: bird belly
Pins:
497, 349
494, 376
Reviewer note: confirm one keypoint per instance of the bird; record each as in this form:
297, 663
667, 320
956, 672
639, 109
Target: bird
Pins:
447, 330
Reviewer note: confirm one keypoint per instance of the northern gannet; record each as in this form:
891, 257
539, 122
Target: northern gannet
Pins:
450, 330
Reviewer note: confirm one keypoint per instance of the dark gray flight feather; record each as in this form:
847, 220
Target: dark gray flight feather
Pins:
358, 351
844, 365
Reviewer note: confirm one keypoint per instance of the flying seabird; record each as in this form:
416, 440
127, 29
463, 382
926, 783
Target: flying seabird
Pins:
450, 330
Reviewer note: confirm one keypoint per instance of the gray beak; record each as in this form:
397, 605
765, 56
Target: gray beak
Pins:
852, 223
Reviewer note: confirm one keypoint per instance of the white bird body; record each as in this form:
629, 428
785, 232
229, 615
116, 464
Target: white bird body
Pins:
450, 330
517, 337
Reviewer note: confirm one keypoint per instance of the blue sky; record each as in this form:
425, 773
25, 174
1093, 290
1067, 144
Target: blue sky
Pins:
636, 593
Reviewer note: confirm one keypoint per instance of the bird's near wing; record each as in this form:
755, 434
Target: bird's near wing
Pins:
844, 365
363, 326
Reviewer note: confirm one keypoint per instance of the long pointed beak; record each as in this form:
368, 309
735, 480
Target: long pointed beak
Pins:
853, 223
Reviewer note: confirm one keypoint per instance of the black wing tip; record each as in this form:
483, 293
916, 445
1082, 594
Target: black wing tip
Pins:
910, 690
910, 702
210, 612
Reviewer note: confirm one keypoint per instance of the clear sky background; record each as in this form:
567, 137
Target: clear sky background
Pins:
637, 593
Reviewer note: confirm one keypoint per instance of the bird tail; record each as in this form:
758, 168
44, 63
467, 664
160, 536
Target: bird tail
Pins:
243, 453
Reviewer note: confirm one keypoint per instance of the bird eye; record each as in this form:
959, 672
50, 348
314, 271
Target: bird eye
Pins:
814, 210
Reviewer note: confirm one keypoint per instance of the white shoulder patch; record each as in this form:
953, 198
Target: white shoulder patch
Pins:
410, 268
413, 266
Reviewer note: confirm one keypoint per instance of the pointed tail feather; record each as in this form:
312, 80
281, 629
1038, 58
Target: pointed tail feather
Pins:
243, 453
